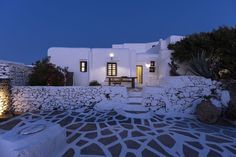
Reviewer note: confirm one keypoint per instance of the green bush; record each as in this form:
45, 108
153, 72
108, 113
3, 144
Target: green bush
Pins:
47, 74
219, 47
94, 83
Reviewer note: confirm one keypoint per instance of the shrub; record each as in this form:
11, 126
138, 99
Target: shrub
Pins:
173, 68
47, 74
200, 65
219, 47
94, 83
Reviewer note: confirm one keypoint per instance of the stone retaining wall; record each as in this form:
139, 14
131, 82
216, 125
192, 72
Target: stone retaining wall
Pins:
29, 98
17, 73
182, 94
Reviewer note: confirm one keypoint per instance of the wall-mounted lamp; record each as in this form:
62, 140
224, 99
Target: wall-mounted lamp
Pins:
4, 96
147, 65
2, 104
111, 55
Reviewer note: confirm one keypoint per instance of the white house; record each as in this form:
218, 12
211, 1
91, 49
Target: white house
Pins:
146, 61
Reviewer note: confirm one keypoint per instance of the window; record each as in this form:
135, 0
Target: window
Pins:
152, 68
83, 66
152, 63
111, 69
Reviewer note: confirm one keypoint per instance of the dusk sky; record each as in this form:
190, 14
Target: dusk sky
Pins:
29, 27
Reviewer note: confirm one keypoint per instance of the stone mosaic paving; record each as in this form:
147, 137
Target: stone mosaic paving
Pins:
92, 133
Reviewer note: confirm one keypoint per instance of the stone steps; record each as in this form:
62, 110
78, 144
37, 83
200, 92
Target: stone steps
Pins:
135, 97
134, 107
135, 100
136, 114
135, 94
135, 110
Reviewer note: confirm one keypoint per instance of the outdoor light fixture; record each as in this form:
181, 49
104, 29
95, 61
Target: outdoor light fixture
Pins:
2, 104
147, 65
4, 96
111, 55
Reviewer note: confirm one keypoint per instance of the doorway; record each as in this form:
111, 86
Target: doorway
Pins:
139, 74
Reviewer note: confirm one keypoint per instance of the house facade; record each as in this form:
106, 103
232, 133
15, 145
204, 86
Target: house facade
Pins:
146, 61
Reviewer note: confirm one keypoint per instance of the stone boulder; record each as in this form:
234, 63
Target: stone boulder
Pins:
207, 112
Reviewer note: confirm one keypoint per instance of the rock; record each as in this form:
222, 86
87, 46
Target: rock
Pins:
207, 112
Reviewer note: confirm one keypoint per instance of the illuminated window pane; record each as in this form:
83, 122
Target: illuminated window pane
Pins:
111, 69
83, 66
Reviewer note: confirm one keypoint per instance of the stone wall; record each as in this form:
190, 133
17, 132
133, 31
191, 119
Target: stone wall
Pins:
4, 95
17, 73
182, 94
29, 98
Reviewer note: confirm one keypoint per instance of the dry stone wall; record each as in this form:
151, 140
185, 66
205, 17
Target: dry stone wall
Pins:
17, 73
183, 93
29, 98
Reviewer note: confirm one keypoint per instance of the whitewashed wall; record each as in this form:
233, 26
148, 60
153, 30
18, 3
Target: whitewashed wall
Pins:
149, 78
182, 94
30, 98
137, 47
97, 59
70, 57
125, 59
127, 56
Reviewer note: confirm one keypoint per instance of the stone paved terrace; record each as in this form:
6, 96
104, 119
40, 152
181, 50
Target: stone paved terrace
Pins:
92, 133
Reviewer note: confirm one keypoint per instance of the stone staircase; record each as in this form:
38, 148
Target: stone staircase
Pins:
134, 107
135, 98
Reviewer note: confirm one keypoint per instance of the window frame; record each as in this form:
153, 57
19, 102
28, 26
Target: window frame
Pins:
152, 63
152, 68
111, 69
83, 68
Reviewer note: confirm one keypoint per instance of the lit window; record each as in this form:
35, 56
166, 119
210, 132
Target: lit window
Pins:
83, 66
111, 69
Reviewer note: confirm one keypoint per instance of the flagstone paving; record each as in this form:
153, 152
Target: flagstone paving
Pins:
93, 133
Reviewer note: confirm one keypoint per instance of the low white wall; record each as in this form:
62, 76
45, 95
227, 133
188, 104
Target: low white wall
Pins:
181, 94
29, 98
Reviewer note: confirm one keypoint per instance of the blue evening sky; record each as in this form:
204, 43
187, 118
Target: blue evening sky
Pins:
29, 27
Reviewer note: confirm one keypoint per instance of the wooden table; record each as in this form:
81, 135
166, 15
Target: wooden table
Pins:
119, 80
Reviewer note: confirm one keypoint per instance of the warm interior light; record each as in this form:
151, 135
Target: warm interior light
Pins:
4, 97
2, 105
147, 65
111, 55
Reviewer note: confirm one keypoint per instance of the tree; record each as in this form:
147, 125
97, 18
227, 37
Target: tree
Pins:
47, 74
218, 46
